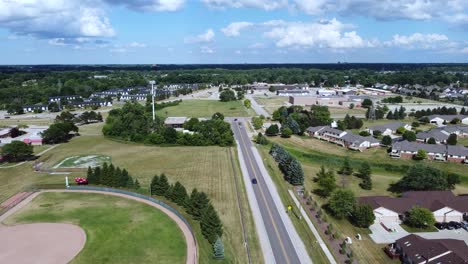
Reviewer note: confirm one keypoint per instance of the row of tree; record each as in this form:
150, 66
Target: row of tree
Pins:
298, 119
197, 204
288, 164
133, 123
438, 111
350, 122
109, 175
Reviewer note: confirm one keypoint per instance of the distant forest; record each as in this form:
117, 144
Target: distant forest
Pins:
34, 84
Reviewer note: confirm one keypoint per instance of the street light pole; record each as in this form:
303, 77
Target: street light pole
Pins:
152, 95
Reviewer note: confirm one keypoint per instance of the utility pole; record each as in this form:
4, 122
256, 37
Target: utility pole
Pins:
152, 95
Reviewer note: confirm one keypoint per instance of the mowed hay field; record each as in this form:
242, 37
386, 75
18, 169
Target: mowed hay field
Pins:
118, 230
209, 169
204, 108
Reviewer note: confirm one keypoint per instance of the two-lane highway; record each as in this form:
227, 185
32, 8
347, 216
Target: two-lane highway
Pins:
282, 247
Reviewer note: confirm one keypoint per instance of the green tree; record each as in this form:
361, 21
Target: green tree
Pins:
341, 203
452, 180
420, 155
218, 249
421, 178
452, 139
420, 217
179, 193
386, 141
409, 135
17, 151
326, 182
257, 122
262, 140
136, 185
191, 123
58, 132
217, 116
198, 202
227, 95
154, 184
363, 216
346, 168
124, 177
247, 103
364, 173
97, 175
431, 140
366, 103
286, 132
130, 183
162, 187
272, 130
210, 224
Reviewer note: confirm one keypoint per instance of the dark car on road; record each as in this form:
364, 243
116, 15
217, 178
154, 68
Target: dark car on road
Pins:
254, 181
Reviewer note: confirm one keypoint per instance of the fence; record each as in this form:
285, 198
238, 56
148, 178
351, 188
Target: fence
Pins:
137, 195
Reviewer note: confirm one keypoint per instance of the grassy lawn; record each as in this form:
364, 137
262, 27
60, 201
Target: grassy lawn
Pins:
416, 230
209, 169
463, 141
271, 103
337, 111
117, 230
313, 153
365, 250
205, 108
26, 121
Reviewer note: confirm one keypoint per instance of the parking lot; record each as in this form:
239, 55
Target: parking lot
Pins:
381, 236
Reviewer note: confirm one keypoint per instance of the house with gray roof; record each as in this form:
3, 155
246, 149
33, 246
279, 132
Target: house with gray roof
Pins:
437, 134
440, 120
342, 138
389, 128
407, 150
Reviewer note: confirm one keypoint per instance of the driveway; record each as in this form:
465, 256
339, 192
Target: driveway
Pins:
381, 236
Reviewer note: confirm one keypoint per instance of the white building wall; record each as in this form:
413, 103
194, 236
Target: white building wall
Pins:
448, 214
386, 216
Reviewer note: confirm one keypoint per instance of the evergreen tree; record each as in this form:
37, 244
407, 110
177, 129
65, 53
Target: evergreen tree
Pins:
363, 216
130, 183
97, 175
346, 168
169, 193
154, 184
117, 179
124, 177
162, 187
191, 199
386, 141
111, 176
179, 193
365, 170
105, 180
198, 204
136, 185
452, 139
390, 115
210, 224
90, 176
326, 182
218, 249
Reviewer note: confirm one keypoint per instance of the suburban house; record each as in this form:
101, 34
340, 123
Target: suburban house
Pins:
407, 150
389, 128
415, 249
64, 97
440, 120
136, 97
437, 134
32, 108
342, 138
459, 130
444, 205
175, 122
91, 103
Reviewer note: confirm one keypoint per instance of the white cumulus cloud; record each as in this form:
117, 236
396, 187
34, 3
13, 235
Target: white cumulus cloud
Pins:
233, 29
419, 40
206, 50
207, 36
262, 4
150, 5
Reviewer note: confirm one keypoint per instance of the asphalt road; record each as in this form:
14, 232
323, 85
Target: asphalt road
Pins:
282, 247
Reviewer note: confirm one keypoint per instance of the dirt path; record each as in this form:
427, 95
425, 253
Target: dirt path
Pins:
192, 250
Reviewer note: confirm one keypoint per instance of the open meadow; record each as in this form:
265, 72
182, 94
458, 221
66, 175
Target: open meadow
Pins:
118, 230
209, 169
204, 108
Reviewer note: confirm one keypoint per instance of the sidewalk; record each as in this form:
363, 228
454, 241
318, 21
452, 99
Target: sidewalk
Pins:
320, 241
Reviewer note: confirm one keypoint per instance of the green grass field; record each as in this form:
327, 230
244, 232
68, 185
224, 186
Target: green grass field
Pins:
271, 103
118, 230
209, 169
204, 108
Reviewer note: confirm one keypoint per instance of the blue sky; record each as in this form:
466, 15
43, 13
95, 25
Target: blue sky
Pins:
232, 31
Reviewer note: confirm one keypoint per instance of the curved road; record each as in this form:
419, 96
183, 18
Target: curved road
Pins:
192, 249
284, 250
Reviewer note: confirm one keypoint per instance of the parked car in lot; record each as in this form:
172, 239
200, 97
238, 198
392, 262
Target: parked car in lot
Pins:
440, 226
465, 225
455, 225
